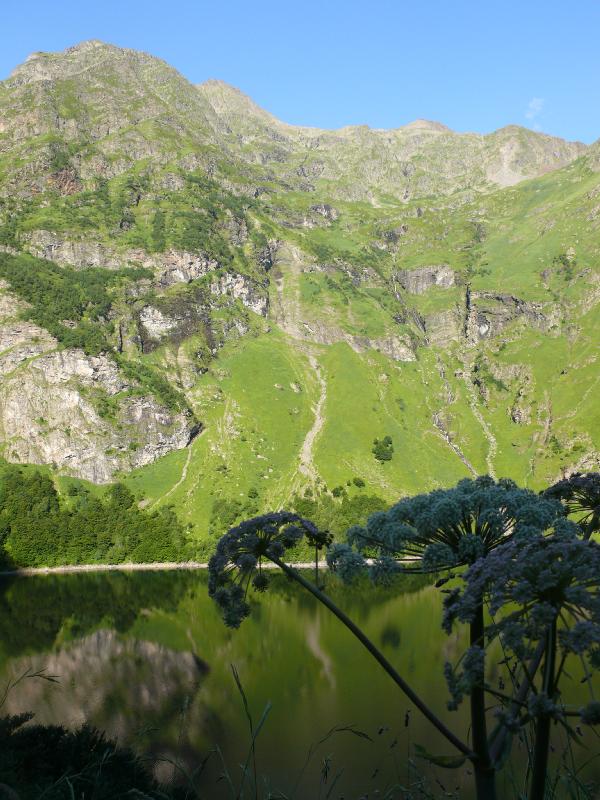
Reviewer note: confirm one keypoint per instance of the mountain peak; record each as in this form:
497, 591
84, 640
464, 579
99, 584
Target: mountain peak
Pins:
217, 83
516, 130
90, 54
89, 44
54, 55
100, 89
426, 125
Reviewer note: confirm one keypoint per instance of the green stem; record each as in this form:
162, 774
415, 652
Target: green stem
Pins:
378, 656
485, 774
542, 738
592, 526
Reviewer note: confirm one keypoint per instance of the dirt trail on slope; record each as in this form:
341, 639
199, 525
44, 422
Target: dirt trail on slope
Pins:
437, 417
182, 477
287, 311
439, 424
287, 314
307, 467
491, 439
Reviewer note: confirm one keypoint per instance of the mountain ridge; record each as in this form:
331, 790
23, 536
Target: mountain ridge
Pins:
114, 96
97, 44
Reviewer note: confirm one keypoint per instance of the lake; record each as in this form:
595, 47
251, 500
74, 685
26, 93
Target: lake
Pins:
145, 657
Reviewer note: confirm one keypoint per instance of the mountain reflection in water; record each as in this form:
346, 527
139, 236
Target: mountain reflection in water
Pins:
146, 658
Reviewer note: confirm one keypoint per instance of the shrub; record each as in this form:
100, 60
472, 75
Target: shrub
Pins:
383, 449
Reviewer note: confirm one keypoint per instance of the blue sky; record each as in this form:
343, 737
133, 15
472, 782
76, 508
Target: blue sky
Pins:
471, 65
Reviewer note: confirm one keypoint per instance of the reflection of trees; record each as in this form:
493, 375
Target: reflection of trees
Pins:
362, 598
33, 611
5, 559
391, 636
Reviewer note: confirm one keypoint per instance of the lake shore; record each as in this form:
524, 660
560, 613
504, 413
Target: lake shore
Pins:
132, 567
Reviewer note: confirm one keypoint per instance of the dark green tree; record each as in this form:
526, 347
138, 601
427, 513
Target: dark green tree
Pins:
383, 449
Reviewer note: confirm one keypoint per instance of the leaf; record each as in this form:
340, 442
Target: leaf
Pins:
355, 732
262, 720
446, 762
242, 693
338, 775
345, 729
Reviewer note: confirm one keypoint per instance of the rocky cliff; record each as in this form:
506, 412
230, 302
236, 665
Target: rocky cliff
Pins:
74, 411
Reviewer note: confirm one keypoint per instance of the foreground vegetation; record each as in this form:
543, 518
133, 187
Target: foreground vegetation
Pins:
55, 763
510, 555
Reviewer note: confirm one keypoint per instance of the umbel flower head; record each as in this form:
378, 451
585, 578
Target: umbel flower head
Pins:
580, 495
448, 528
237, 562
532, 583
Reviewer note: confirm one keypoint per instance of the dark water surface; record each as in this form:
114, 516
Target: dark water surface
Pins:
145, 657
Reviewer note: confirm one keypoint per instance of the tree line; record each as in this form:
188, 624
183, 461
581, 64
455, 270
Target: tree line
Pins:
38, 527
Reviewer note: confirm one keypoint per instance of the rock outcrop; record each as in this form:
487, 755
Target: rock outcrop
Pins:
326, 211
156, 324
170, 267
245, 290
77, 412
398, 348
419, 280
19, 342
488, 313
174, 267
444, 327
71, 252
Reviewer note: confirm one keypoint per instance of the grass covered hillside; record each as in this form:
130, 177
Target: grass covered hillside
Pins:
229, 314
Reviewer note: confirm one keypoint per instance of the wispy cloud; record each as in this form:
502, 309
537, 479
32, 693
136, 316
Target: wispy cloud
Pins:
534, 108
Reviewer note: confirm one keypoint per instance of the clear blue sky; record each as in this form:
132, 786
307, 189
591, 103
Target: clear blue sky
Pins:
471, 65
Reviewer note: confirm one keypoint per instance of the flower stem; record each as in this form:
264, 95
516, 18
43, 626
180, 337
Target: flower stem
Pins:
485, 774
542, 738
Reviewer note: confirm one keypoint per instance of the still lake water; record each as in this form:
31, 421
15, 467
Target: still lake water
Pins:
145, 657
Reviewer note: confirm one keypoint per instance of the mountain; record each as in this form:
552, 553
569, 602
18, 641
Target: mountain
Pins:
225, 311
114, 106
